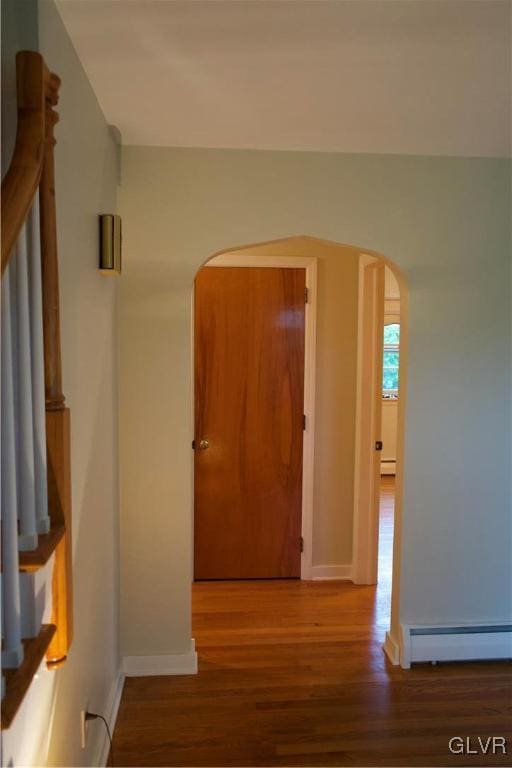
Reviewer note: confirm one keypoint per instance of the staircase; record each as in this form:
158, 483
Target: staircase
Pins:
35, 449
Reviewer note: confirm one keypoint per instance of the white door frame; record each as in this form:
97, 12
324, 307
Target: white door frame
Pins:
310, 265
368, 420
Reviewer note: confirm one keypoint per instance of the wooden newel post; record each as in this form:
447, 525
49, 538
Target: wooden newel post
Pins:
50, 267
57, 415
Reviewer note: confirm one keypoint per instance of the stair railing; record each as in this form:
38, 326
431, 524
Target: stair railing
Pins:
36, 477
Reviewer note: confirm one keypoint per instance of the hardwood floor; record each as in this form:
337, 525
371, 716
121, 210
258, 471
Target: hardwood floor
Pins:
386, 520
293, 673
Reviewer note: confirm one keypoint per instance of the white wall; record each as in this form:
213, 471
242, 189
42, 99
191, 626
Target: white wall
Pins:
47, 727
389, 436
445, 222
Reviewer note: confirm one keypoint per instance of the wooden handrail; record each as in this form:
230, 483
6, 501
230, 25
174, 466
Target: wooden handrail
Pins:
35, 86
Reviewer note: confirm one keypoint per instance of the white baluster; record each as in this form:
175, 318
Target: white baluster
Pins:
12, 654
37, 356
23, 365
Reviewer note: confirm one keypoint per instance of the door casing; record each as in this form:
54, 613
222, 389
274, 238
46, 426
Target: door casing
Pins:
310, 265
370, 345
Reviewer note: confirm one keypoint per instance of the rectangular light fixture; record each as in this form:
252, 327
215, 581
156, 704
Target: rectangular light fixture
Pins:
110, 244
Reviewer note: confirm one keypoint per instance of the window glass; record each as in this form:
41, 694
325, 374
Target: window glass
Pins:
392, 333
391, 360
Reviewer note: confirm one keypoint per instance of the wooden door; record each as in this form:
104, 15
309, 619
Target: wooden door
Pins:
249, 403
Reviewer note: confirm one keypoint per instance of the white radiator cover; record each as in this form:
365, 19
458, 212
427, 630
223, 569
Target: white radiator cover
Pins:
464, 642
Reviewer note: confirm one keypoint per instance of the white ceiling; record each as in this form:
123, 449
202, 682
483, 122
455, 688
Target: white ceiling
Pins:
394, 76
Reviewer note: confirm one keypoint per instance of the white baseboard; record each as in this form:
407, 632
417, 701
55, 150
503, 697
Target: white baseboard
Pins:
469, 642
331, 572
166, 664
392, 649
111, 710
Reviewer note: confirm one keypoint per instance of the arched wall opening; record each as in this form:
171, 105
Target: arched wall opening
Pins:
333, 259
179, 207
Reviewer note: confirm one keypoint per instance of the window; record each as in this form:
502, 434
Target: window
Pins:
391, 361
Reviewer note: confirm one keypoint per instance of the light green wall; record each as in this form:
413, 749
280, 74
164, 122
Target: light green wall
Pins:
445, 222
86, 184
46, 729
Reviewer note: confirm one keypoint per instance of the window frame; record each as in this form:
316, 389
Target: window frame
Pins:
391, 394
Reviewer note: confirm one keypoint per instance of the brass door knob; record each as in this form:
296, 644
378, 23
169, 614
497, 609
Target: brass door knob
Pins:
203, 444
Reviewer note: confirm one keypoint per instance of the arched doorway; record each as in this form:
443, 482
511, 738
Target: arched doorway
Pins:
322, 252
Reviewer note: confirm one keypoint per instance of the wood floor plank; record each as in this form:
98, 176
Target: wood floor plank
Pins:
292, 673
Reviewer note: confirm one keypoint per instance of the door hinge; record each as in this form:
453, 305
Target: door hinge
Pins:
302, 543
306, 295
193, 445
378, 445
304, 422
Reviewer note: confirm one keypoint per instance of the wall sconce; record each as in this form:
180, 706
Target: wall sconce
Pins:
110, 244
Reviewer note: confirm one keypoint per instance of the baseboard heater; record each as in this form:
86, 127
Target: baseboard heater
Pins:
480, 642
